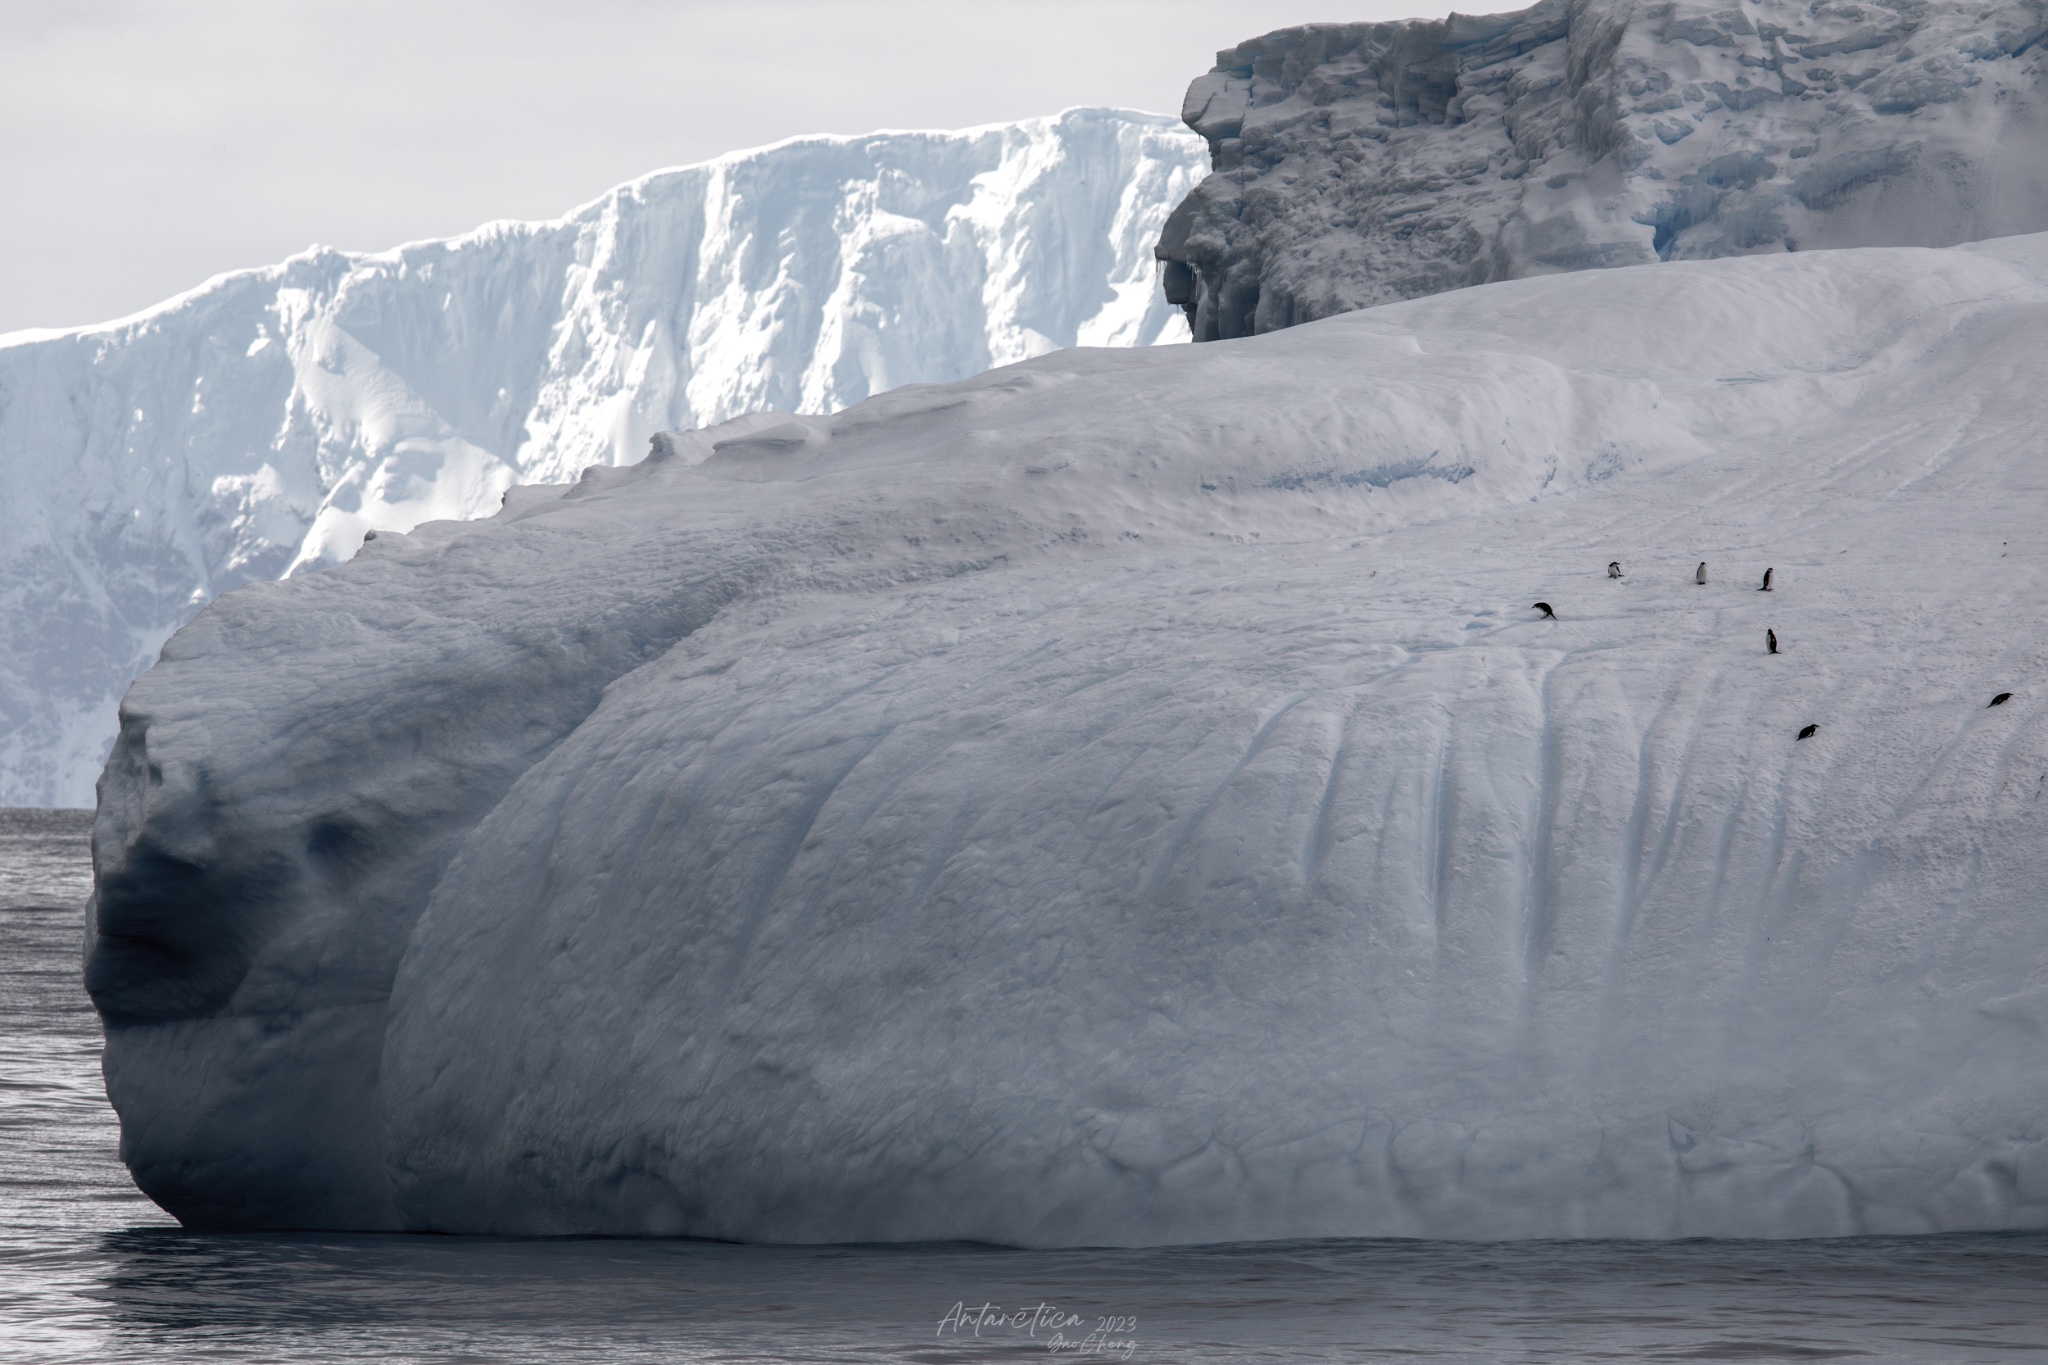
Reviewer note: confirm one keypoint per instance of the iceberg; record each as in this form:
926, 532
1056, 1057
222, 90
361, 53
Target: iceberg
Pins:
262, 423
1363, 163
1128, 797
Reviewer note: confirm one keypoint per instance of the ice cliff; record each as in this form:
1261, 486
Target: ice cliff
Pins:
264, 421
1357, 164
1128, 797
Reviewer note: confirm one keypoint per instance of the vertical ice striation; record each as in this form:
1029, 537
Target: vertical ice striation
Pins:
264, 421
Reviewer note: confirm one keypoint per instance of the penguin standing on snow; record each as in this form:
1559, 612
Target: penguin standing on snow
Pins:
1770, 641
1544, 607
1700, 574
1767, 580
1614, 568
1808, 732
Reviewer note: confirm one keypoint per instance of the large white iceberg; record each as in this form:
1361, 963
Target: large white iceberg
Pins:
1129, 797
261, 423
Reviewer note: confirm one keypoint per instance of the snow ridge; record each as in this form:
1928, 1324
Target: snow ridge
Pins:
1358, 164
262, 423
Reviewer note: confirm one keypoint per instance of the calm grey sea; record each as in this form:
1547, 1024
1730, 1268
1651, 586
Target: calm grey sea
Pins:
92, 1271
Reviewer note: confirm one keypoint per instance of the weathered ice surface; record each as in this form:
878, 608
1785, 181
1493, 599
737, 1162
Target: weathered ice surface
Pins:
263, 422
1361, 163
1129, 797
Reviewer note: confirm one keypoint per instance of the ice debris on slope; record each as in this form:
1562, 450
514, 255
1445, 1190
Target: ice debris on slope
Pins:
1361, 163
263, 422
1128, 798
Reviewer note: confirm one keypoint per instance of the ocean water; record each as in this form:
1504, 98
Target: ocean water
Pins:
92, 1271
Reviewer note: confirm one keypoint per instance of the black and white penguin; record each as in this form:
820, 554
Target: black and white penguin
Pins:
1807, 733
2001, 699
1700, 574
1767, 580
1614, 568
1770, 641
1544, 607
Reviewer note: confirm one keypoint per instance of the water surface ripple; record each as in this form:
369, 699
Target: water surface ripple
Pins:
91, 1271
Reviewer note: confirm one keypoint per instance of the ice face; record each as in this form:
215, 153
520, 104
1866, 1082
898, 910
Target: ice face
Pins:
264, 422
1128, 797
1362, 163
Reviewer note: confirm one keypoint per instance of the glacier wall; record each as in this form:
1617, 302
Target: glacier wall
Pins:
1361, 163
1128, 797
263, 422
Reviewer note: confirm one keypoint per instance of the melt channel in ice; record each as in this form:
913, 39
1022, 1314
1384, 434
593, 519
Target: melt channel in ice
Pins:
1128, 797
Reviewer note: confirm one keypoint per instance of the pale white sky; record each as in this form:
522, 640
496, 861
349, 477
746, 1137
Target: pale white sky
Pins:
148, 144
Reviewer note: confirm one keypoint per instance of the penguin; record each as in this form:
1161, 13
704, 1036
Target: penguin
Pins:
1700, 574
1614, 568
1807, 733
1544, 607
2001, 699
1770, 641
1767, 580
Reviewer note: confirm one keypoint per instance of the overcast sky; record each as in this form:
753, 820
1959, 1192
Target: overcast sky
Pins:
148, 144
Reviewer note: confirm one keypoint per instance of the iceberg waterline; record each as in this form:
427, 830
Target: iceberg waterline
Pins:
1127, 797
261, 423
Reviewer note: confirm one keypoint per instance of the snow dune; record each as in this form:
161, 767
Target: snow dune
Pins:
1127, 797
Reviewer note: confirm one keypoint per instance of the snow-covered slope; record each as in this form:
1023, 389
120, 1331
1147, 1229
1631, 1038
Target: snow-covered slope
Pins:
1362, 163
1129, 797
264, 421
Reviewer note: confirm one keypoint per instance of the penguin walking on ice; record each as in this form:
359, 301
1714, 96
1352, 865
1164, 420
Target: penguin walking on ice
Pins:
1614, 568
1767, 580
1807, 733
2001, 699
1544, 607
1700, 574
1770, 641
